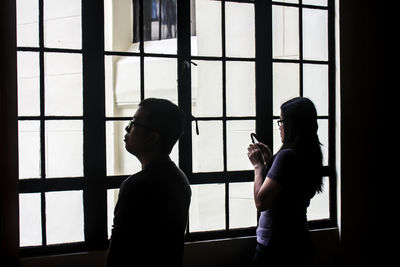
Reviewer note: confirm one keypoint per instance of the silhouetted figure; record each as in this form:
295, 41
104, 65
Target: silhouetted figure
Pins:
284, 185
151, 213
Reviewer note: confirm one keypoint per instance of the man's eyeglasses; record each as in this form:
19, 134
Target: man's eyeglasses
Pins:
136, 124
280, 122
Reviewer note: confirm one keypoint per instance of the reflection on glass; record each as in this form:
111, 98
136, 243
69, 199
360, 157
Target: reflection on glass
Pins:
207, 208
30, 222
315, 86
238, 139
207, 147
28, 84
319, 205
239, 30
207, 89
119, 161
240, 89
160, 78
285, 84
64, 148
285, 28
122, 83
315, 34
63, 84
206, 24
64, 217
62, 23
29, 149
242, 210
27, 23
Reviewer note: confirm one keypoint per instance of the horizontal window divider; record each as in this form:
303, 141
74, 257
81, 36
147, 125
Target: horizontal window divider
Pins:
138, 54
303, 61
222, 234
34, 118
321, 224
65, 248
50, 50
324, 117
51, 184
114, 182
221, 177
118, 118
215, 58
299, 5
225, 118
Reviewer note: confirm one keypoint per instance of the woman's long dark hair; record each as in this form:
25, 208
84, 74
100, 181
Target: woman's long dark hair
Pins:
300, 133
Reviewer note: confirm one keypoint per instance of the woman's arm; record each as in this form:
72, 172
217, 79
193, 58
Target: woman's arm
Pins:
266, 190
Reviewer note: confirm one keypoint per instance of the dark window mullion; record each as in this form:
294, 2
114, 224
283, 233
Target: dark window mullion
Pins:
301, 48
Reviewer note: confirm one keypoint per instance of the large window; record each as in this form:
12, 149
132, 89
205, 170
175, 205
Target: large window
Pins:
229, 64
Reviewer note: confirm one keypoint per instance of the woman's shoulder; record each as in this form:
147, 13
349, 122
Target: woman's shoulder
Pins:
286, 152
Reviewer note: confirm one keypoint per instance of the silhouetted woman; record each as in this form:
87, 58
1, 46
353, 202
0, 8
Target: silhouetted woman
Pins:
284, 185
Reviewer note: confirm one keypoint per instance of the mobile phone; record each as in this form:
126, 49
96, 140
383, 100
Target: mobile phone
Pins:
254, 138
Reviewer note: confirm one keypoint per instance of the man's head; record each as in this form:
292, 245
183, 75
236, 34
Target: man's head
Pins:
156, 125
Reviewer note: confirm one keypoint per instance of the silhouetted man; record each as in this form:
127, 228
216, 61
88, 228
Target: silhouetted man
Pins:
151, 213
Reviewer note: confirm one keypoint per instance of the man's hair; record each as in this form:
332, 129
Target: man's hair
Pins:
166, 118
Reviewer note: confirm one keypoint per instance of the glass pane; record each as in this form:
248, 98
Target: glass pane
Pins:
316, 2
315, 34
28, 84
119, 160
63, 84
64, 148
62, 23
118, 26
238, 139
207, 208
239, 30
206, 20
277, 137
207, 89
64, 217
122, 83
242, 210
285, 28
286, 84
112, 198
30, 222
240, 89
207, 147
27, 23
323, 135
160, 78
29, 149
319, 205
315, 81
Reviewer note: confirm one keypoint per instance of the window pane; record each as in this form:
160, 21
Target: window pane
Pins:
239, 30
29, 149
315, 2
119, 161
207, 19
118, 26
319, 205
315, 80
315, 34
207, 208
160, 78
62, 23
207, 89
64, 148
285, 84
277, 137
122, 83
242, 210
207, 147
240, 89
30, 222
28, 84
64, 217
285, 27
112, 198
63, 84
323, 135
238, 139
27, 23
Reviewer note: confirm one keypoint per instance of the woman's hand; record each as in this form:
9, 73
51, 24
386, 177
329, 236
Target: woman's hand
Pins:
259, 154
